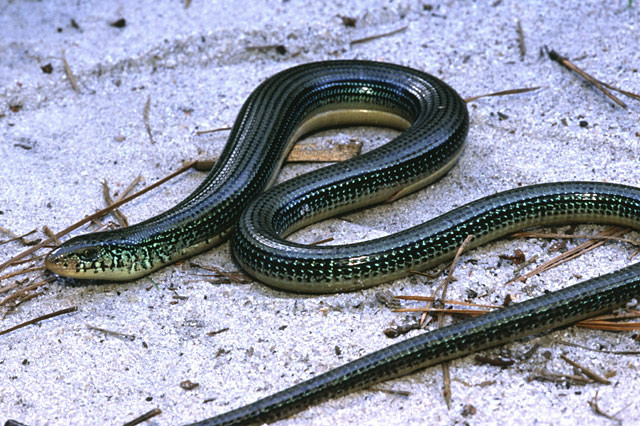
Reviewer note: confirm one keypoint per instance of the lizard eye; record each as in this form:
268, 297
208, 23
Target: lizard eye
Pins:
88, 254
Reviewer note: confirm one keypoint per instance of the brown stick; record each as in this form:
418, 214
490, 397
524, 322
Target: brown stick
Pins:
67, 70
624, 92
121, 218
587, 371
22, 271
146, 416
554, 56
446, 377
570, 254
470, 312
448, 302
572, 236
604, 351
609, 326
521, 44
49, 233
219, 129
377, 36
23, 292
145, 117
502, 93
40, 318
596, 409
129, 188
129, 337
16, 237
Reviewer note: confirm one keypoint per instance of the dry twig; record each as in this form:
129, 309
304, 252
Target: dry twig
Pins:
573, 236
40, 318
143, 418
22, 271
321, 241
128, 189
521, 44
587, 371
604, 351
120, 217
573, 253
608, 325
15, 237
450, 278
25, 293
235, 277
145, 117
596, 409
70, 76
546, 376
118, 334
219, 129
448, 302
446, 386
377, 36
502, 93
554, 56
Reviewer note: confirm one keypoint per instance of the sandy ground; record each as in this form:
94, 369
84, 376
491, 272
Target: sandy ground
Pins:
196, 66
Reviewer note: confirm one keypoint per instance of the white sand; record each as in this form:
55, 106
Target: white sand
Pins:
196, 68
